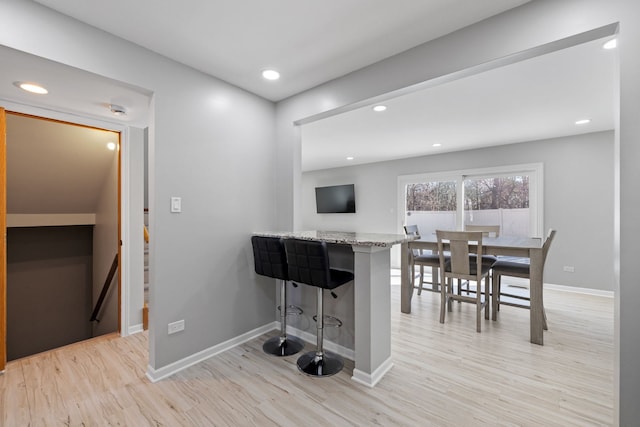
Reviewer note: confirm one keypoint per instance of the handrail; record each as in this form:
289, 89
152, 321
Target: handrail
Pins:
105, 289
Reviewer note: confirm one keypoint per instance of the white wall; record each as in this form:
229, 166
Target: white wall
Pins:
496, 39
211, 144
578, 193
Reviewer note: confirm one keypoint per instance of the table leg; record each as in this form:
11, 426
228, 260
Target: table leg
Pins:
372, 316
535, 288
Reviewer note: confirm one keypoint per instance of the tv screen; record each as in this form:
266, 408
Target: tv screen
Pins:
336, 199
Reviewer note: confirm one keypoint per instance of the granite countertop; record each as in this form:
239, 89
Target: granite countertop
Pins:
341, 237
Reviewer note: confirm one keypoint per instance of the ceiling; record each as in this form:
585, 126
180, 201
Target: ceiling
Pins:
72, 164
309, 43
534, 99
70, 89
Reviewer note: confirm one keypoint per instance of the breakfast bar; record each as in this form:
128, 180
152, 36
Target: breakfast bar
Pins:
372, 296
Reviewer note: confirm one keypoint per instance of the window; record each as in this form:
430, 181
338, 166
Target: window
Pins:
510, 197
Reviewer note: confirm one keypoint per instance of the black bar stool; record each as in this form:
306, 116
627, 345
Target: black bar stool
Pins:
270, 260
309, 264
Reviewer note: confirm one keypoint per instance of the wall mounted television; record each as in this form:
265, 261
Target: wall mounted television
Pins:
336, 199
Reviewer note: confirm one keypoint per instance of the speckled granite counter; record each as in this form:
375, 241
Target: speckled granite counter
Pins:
340, 237
371, 296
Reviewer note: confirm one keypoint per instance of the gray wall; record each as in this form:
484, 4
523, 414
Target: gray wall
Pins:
578, 198
534, 24
48, 287
211, 144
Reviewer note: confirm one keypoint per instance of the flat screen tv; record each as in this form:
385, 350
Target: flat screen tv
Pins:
336, 199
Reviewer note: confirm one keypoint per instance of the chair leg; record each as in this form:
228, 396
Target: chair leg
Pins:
544, 313
487, 297
421, 280
283, 345
443, 299
435, 282
478, 306
320, 363
495, 280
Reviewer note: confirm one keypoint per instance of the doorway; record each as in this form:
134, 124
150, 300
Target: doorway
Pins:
62, 212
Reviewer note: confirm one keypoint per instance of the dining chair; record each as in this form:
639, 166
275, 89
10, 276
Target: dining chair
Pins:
462, 266
487, 231
418, 257
516, 269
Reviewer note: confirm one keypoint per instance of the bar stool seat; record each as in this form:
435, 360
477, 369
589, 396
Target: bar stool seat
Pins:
308, 263
270, 260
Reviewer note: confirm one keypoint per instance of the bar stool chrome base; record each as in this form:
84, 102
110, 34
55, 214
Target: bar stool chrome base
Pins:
323, 365
279, 346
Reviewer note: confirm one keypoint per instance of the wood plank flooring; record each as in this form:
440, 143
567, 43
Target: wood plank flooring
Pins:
443, 375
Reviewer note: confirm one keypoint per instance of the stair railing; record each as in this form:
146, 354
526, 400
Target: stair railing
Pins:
105, 289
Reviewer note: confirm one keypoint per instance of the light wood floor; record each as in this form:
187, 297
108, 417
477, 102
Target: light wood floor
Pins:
444, 375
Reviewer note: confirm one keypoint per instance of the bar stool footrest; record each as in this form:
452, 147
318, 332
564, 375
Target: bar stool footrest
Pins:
329, 321
292, 310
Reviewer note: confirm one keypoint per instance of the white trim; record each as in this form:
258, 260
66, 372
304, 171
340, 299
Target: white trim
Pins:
135, 329
156, 375
583, 291
519, 282
370, 380
345, 352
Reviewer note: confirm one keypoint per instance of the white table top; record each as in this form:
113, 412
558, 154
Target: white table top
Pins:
340, 237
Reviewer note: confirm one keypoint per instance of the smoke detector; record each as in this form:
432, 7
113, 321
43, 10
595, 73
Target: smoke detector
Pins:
117, 110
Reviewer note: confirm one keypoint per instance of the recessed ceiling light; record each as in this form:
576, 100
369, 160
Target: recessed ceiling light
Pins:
437, 144
111, 146
583, 121
611, 44
271, 74
32, 87
379, 108
350, 158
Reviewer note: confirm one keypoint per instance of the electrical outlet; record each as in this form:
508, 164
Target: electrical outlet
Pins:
569, 268
176, 327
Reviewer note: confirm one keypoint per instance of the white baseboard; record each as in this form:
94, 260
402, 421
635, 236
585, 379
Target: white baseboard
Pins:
155, 375
370, 380
135, 329
524, 283
345, 352
585, 291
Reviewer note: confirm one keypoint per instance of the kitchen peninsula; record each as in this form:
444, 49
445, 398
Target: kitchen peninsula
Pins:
372, 296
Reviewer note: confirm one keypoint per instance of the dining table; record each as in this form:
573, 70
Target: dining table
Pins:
514, 246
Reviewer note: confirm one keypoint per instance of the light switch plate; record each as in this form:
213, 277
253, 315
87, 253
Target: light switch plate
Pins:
176, 204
